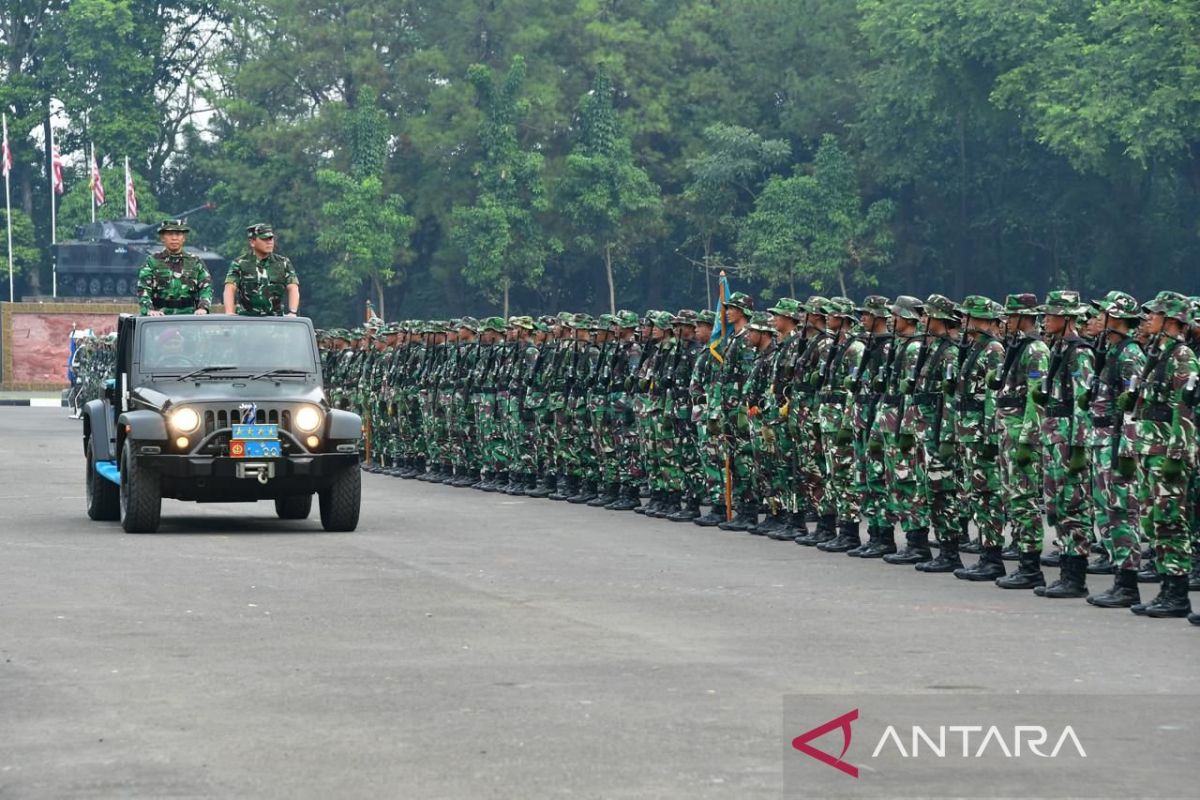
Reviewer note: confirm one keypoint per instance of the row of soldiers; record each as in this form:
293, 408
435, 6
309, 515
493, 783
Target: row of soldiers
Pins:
931, 416
92, 363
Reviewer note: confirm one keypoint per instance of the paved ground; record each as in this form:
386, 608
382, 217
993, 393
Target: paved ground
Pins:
464, 645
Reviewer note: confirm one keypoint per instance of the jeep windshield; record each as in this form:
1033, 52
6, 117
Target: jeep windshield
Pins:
225, 348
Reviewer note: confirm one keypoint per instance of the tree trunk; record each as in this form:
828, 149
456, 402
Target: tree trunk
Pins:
842, 283
379, 293
612, 291
506, 288
707, 271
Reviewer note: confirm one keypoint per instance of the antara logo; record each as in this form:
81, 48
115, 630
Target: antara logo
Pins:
801, 742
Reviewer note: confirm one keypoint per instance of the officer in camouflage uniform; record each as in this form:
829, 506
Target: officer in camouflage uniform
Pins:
811, 364
778, 479
976, 437
1163, 436
173, 281
698, 364
762, 420
727, 388
835, 422
1020, 416
678, 417
866, 389
624, 387
262, 283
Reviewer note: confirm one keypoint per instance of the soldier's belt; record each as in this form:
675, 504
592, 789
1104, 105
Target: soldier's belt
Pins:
970, 404
1060, 410
892, 399
1156, 412
177, 302
1102, 420
1010, 402
926, 398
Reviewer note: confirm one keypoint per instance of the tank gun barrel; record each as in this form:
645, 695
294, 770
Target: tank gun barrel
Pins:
202, 207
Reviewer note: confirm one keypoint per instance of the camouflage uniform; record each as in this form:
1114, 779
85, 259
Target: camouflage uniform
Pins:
866, 388
173, 283
835, 422
261, 284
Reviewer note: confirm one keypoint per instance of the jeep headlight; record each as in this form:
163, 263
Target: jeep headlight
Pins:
184, 420
307, 419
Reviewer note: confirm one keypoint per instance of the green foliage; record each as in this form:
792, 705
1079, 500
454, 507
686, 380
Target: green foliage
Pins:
75, 206
25, 254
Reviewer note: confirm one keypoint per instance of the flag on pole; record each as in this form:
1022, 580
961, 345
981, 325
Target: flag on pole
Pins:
56, 166
130, 194
6, 155
97, 184
720, 329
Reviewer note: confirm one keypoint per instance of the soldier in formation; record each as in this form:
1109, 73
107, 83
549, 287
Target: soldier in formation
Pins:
817, 420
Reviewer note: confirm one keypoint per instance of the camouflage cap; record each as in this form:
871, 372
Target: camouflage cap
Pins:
877, 306
261, 230
1024, 303
494, 324
390, 329
1062, 303
541, 326
706, 317
548, 320
523, 322
173, 226
741, 300
627, 318
788, 307
840, 307
907, 307
606, 321
662, 319
761, 321
1119, 304
980, 307
686, 316
582, 321
1172, 305
938, 306
470, 323
816, 304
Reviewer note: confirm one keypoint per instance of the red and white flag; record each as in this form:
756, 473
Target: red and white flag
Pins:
130, 194
97, 184
5, 153
56, 166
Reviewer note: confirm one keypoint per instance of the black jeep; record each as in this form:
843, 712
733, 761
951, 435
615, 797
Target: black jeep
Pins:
219, 409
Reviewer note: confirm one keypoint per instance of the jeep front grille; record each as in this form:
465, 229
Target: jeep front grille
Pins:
222, 418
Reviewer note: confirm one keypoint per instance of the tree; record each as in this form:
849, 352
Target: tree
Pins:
25, 254
75, 207
500, 234
364, 227
609, 200
813, 227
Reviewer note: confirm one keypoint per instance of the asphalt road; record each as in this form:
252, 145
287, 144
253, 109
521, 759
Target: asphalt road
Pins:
469, 645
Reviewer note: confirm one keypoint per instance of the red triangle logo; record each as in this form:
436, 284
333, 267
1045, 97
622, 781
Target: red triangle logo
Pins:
801, 742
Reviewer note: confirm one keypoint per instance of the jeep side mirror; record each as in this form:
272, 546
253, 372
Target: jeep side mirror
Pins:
110, 390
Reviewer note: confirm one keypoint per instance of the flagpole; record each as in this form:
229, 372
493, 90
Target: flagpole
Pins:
8, 214
53, 217
91, 176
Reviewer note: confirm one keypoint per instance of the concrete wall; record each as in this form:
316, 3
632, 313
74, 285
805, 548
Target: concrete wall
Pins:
36, 339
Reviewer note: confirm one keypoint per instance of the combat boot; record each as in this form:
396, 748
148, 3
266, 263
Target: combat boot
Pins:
1194, 618
1072, 579
520, 484
568, 486
1194, 575
771, 522
689, 512
497, 483
412, 468
786, 532
541, 488
587, 491
531, 482
884, 544
713, 518
798, 525
872, 538
745, 518
669, 505
1011, 552
916, 549
1148, 573
817, 534
627, 500
608, 495
645, 510
989, 567
947, 560
846, 540
1172, 600
1052, 559
1027, 575
1101, 565
1123, 594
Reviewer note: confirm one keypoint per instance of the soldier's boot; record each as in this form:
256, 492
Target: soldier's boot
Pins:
568, 486
947, 560
965, 543
668, 506
689, 512
447, 476
884, 544
872, 537
916, 549
1053, 558
825, 531
1072, 579
847, 538
499, 479
424, 472
1101, 565
1027, 575
627, 499
1011, 552
1172, 600
989, 567
797, 526
713, 518
787, 532
531, 482
522, 484
608, 495
587, 491
1148, 573
655, 499
404, 468
1123, 594
542, 487
1194, 618
745, 517
1194, 575
770, 522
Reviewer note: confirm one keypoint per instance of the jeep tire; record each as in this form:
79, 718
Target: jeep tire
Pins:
141, 494
103, 496
340, 502
293, 506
